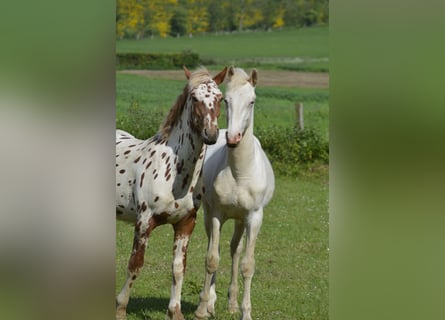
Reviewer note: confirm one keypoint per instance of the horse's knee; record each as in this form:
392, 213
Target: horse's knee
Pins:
178, 268
212, 263
248, 267
179, 257
136, 261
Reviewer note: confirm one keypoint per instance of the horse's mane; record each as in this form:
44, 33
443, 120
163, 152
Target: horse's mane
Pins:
238, 78
197, 77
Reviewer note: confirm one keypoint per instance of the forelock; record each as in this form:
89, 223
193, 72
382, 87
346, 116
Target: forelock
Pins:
239, 78
199, 76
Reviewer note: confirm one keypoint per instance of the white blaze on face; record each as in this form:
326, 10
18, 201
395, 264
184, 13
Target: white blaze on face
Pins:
240, 104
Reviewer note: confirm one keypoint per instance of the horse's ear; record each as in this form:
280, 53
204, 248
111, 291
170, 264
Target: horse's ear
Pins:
230, 73
219, 78
253, 77
186, 71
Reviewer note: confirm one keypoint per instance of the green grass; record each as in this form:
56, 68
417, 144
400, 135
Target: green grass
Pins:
273, 107
291, 278
293, 49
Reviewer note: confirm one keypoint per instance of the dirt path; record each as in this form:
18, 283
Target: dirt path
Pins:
267, 78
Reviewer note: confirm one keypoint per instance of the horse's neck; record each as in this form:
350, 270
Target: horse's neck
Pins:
241, 157
186, 142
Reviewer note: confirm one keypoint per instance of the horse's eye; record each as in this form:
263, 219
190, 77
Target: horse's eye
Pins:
194, 99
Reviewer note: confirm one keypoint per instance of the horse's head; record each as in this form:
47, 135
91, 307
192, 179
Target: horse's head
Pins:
205, 98
240, 100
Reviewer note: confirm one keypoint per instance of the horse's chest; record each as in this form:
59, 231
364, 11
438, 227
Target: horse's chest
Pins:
242, 194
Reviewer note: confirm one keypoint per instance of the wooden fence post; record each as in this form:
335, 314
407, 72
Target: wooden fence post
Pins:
300, 117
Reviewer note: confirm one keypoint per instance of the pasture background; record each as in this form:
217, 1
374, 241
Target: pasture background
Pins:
291, 278
305, 49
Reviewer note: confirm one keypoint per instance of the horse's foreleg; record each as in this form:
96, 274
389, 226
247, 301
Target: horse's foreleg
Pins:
142, 231
183, 229
248, 263
207, 297
236, 246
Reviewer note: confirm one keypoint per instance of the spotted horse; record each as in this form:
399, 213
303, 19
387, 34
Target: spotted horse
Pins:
158, 180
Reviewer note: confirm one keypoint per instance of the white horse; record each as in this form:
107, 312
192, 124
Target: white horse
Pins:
239, 182
158, 180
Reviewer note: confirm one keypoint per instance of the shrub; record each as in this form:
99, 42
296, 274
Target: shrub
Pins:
156, 60
291, 149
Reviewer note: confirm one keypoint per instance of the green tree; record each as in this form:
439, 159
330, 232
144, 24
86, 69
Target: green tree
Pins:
198, 16
291, 13
160, 13
273, 13
220, 15
130, 18
136, 18
178, 22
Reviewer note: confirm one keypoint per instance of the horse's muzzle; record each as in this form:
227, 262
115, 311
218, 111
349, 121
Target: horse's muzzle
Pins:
232, 142
210, 136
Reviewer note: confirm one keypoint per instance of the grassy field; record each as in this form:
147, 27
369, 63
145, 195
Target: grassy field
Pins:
296, 49
291, 278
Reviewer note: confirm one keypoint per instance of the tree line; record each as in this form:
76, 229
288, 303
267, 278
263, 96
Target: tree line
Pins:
146, 18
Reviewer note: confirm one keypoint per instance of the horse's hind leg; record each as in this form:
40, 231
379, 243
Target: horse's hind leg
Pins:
236, 246
142, 231
183, 229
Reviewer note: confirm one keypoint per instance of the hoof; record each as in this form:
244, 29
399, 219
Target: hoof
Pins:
233, 309
246, 317
233, 306
175, 315
201, 316
211, 311
121, 314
